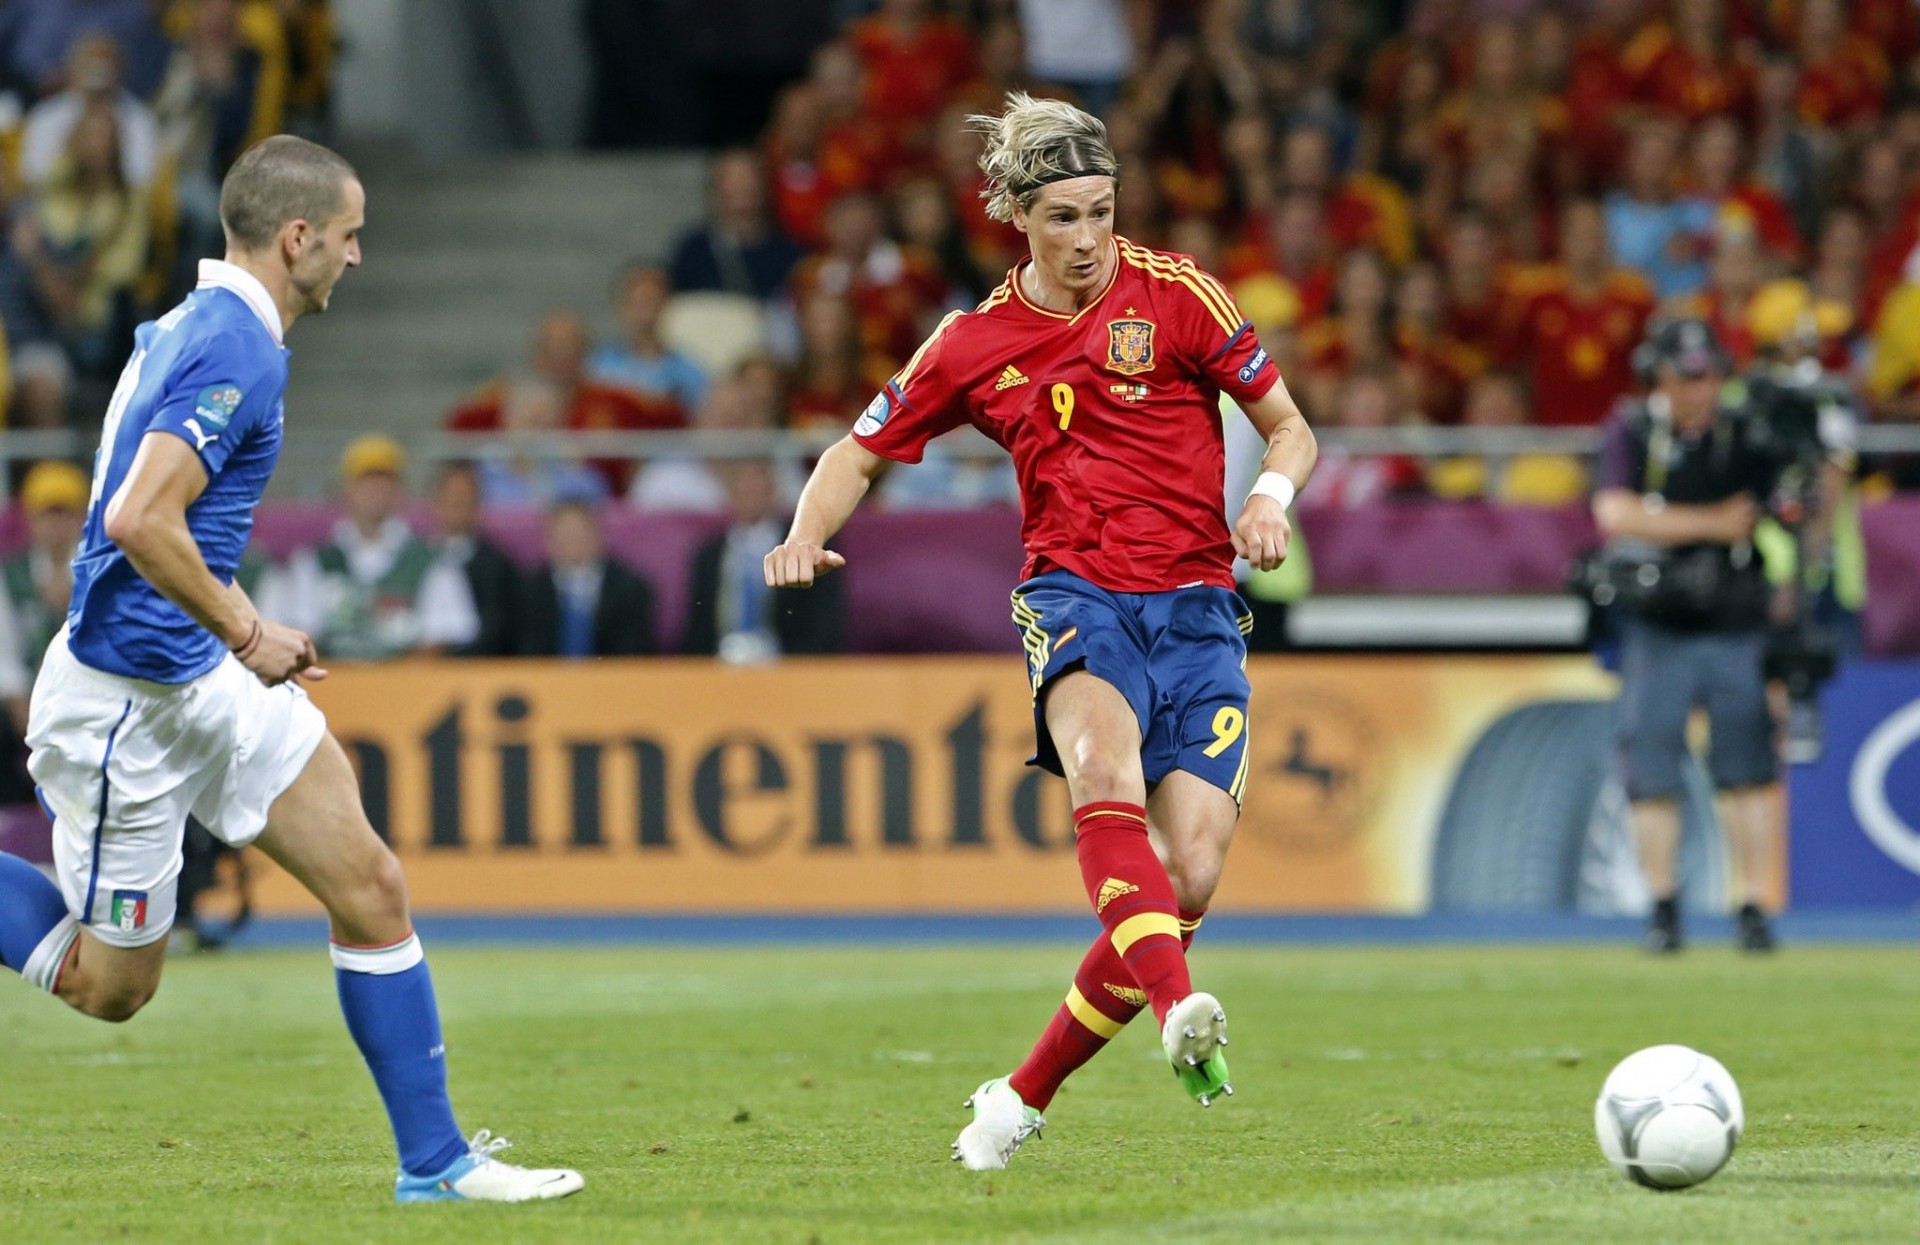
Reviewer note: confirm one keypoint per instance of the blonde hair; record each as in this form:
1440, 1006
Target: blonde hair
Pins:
1035, 142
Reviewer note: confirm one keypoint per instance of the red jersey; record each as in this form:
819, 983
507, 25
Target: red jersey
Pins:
1845, 87
1578, 351
1669, 76
1111, 414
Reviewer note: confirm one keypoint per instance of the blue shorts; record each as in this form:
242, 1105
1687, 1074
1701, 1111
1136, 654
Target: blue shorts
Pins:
1178, 657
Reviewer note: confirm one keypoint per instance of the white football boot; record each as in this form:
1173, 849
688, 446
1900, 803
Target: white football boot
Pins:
1001, 1122
477, 1176
1194, 1032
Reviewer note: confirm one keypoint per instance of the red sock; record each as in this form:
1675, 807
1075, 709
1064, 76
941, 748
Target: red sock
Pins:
1103, 998
1100, 1003
1133, 898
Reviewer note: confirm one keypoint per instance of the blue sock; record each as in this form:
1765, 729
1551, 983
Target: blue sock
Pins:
35, 930
387, 996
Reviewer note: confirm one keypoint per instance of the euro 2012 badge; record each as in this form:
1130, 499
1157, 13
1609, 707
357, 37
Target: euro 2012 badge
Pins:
1130, 346
216, 404
874, 418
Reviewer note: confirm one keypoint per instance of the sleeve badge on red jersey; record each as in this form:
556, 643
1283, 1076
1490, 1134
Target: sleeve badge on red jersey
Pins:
874, 417
1130, 346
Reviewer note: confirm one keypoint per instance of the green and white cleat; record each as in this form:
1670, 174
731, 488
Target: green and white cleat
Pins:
1192, 1036
1001, 1122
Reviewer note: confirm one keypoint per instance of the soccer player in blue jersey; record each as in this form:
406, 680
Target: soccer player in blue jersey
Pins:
167, 694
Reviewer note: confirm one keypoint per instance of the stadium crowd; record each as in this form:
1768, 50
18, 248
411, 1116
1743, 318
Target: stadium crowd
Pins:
1448, 212
118, 119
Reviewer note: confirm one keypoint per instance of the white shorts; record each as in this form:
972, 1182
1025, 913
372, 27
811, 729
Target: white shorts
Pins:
121, 762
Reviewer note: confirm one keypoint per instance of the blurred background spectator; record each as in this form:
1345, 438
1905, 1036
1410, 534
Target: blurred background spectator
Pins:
579, 602
39, 578
492, 579
559, 394
640, 362
731, 613
93, 82
739, 250
538, 473
374, 589
79, 244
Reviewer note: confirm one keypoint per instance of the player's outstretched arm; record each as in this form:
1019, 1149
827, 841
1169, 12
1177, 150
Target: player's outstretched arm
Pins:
147, 519
1261, 533
839, 481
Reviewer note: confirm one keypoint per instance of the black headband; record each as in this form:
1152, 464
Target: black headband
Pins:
1058, 175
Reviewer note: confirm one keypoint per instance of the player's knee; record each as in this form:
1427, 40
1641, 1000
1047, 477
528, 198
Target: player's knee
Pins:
116, 1003
1099, 774
382, 887
1195, 876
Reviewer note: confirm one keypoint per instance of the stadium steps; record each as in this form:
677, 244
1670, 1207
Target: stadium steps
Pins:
461, 259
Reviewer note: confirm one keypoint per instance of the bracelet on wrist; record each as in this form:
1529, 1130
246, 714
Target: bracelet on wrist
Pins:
1273, 484
246, 646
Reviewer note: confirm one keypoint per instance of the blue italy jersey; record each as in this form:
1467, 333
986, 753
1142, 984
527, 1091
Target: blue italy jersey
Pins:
211, 372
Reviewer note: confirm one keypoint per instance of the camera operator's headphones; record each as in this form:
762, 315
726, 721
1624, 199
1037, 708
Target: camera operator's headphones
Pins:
1686, 343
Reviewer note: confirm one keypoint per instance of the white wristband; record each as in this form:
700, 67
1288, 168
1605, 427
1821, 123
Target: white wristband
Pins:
1273, 484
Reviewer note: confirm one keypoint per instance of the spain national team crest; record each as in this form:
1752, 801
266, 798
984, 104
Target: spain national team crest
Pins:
1130, 346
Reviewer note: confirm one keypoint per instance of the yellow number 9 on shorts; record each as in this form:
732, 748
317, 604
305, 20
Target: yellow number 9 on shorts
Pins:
1227, 726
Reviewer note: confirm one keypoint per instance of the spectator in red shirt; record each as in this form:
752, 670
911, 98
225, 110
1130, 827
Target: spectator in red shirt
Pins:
1843, 76
834, 375
1744, 205
1499, 110
560, 361
1843, 278
858, 146
1362, 209
1882, 192
923, 219
1357, 336
915, 59
1734, 275
1599, 85
1435, 367
1440, 26
798, 186
1580, 321
895, 290
1402, 141
1473, 283
992, 244
1688, 66
1524, 226
1292, 243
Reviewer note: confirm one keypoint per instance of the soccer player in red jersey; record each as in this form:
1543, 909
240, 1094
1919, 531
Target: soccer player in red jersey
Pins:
1099, 365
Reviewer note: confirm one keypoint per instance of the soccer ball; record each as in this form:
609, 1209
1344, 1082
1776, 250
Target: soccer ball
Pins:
1668, 1117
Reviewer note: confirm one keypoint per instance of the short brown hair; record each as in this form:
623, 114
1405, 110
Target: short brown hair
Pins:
277, 180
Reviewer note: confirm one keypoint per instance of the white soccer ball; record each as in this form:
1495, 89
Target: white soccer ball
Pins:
1668, 1117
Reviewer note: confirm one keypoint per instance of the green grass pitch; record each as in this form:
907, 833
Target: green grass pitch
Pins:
808, 1095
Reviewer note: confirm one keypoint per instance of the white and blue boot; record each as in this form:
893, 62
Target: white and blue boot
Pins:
477, 1176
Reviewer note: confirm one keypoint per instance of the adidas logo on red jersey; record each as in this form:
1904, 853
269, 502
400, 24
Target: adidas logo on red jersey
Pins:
1009, 378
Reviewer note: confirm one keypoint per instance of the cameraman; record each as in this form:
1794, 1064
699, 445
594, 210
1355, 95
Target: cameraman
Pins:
1681, 482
